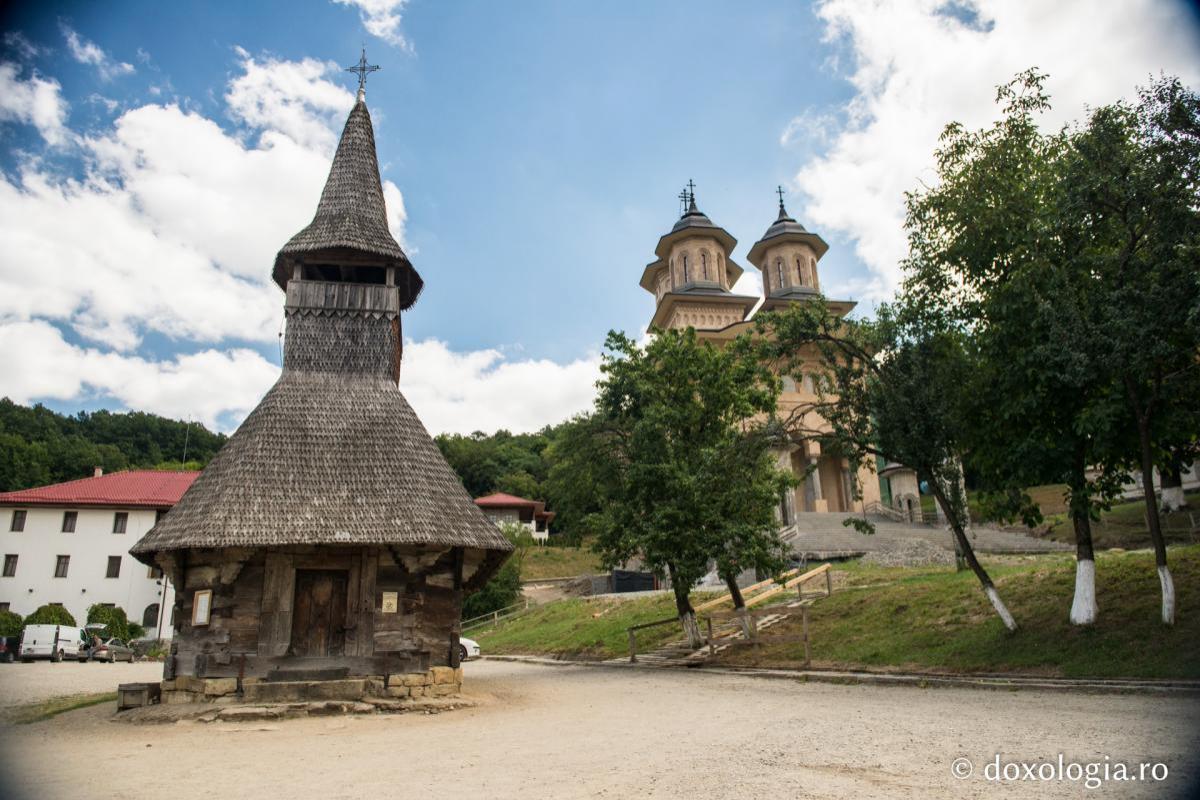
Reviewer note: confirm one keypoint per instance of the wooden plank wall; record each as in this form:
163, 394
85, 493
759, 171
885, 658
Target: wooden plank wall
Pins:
250, 629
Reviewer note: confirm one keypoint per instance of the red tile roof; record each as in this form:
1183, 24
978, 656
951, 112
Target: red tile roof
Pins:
502, 500
138, 488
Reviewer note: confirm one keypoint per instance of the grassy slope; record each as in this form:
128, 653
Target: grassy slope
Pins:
583, 628
933, 619
1124, 525
559, 562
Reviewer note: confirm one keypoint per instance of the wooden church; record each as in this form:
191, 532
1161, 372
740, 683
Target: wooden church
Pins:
329, 538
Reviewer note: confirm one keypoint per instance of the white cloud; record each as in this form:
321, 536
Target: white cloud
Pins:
15, 40
37, 101
462, 392
86, 52
172, 228
290, 97
202, 386
381, 18
918, 65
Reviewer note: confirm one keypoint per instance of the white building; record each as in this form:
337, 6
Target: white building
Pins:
68, 544
503, 508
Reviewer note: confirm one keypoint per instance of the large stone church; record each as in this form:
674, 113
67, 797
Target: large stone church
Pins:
692, 280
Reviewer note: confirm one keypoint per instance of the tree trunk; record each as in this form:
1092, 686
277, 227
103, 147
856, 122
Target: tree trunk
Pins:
1171, 481
1153, 523
687, 615
1083, 607
968, 552
739, 604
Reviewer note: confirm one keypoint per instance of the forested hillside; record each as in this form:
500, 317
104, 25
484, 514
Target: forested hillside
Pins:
39, 446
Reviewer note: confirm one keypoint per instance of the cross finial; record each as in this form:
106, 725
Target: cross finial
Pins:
683, 202
691, 192
779, 191
362, 68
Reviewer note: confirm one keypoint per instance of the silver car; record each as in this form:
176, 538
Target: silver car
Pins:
112, 651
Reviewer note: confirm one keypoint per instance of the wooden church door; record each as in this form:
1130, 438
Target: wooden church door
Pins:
319, 612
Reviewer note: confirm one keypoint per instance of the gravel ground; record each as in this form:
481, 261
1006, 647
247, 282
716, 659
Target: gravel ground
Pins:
910, 553
576, 731
41, 680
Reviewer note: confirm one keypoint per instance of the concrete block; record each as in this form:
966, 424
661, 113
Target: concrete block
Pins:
443, 689
417, 679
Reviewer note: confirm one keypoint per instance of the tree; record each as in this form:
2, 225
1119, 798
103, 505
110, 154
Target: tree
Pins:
114, 619
687, 481
1069, 258
520, 484
1131, 180
50, 615
891, 388
10, 623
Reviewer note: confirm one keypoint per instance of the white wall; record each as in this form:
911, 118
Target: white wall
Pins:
504, 516
42, 541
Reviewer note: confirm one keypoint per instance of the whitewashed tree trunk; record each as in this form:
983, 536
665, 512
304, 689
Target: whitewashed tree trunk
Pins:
1001, 609
691, 629
1083, 608
1172, 499
1168, 595
743, 618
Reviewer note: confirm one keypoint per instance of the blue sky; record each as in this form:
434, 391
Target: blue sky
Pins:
538, 148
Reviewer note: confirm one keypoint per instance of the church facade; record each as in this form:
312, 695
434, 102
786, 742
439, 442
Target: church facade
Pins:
692, 280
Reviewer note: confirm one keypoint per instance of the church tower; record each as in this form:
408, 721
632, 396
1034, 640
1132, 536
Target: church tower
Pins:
787, 254
328, 538
692, 276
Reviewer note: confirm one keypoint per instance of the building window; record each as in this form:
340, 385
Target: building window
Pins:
704, 263
685, 269
800, 272
150, 616
779, 273
114, 567
154, 573
4, 607
61, 565
120, 520
18, 520
69, 518
10, 566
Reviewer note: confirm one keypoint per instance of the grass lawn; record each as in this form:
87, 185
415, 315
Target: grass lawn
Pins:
559, 562
930, 619
36, 712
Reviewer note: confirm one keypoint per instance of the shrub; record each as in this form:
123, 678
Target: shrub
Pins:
502, 590
136, 631
116, 623
10, 624
50, 615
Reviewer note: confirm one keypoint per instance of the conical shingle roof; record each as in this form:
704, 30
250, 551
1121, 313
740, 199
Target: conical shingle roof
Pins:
351, 218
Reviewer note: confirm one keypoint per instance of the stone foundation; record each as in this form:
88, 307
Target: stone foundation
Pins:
437, 682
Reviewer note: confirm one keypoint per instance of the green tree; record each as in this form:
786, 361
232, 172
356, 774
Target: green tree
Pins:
521, 484
114, 619
10, 623
687, 479
891, 388
504, 588
50, 615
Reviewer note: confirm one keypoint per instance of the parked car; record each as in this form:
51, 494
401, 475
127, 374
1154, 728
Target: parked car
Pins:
54, 642
8, 648
112, 651
467, 648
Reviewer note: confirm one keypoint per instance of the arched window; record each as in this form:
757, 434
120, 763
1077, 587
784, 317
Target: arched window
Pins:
685, 270
704, 263
779, 273
800, 273
150, 616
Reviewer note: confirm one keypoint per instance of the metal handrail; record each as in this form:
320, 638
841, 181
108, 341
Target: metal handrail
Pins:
494, 617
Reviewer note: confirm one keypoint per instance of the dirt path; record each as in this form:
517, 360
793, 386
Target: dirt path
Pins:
572, 731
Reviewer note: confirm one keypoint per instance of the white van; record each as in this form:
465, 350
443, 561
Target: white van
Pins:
54, 642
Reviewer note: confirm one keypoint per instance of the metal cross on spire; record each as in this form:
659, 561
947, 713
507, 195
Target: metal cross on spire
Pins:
779, 191
691, 190
363, 69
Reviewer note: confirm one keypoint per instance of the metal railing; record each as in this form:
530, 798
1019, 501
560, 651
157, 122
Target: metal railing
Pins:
495, 617
896, 515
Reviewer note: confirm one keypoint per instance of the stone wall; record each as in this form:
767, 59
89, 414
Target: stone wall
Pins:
434, 682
